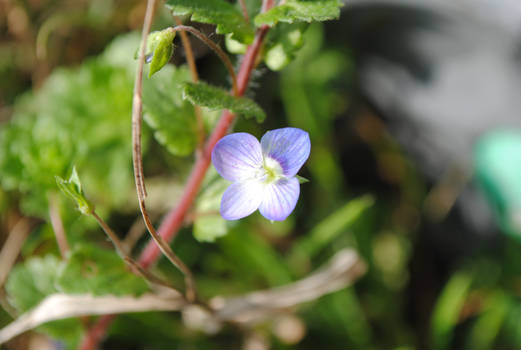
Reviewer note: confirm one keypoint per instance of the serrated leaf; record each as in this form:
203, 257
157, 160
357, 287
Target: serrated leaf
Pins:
300, 11
209, 225
212, 97
72, 189
160, 48
79, 116
30, 282
90, 269
283, 43
171, 117
223, 14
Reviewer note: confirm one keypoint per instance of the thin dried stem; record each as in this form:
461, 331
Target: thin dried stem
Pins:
137, 109
343, 269
190, 58
57, 225
123, 253
136, 231
222, 55
12, 247
191, 292
175, 217
137, 104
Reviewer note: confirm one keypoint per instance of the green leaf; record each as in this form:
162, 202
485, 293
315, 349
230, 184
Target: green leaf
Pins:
90, 269
79, 116
31, 282
171, 117
329, 229
253, 256
448, 308
283, 43
300, 11
205, 95
223, 14
72, 189
234, 46
208, 228
209, 225
160, 47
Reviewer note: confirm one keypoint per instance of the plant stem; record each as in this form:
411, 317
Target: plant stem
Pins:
174, 219
190, 58
137, 120
222, 55
96, 333
57, 225
242, 3
122, 252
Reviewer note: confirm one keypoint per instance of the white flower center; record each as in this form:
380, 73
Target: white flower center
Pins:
270, 172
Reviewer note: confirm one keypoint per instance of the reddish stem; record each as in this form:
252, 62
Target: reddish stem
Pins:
97, 332
174, 219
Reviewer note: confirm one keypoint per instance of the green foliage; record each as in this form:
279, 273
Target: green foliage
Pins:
224, 15
487, 327
160, 47
171, 117
208, 224
205, 95
329, 228
310, 93
72, 189
283, 43
300, 11
30, 283
447, 309
79, 116
254, 257
90, 269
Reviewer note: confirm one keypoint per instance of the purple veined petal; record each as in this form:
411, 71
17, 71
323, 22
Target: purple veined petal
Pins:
280, 199
241, 199
237, 156
289, 146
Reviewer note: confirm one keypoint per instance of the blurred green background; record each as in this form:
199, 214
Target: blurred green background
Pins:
66, 78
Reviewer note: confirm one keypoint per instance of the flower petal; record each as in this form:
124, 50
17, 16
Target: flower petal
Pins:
280, 199
237, 156
289, 146
241, 199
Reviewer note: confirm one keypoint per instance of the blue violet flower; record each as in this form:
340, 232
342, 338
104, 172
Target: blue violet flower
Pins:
262, 174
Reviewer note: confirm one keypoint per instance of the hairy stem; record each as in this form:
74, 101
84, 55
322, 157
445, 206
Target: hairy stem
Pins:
222, 55
190, 58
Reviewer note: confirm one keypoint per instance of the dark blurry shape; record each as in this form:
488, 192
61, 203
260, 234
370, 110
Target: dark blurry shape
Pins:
442, 73
498, 170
